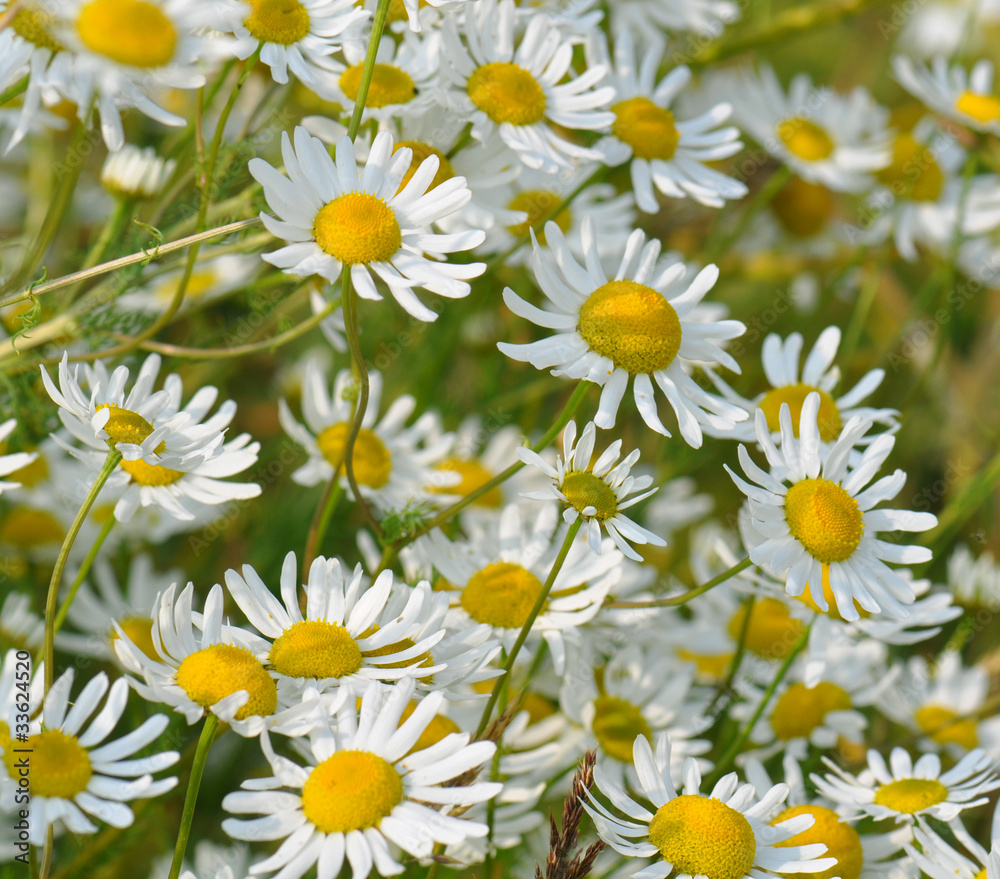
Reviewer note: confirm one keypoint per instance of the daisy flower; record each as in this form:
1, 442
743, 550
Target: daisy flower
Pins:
645, 325
663, 153
363, 795
522, 207
123, 47
393, 463
967, 98
910, 791
75, 773
496, 576
295, 35
403, 83
724, 835
975, 582
342, 630
335, 216
598, 492
647, 18
200, 665
13, 462
790, 387
822, 136
134, 173
518, 92
817, 517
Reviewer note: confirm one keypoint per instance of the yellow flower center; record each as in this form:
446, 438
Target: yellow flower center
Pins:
132, 32
358, 228
932, 718
914, 172
911, 795
538, 204
982, 108
425, 659
803, 208
389, 85
315, 649
215, 672
33, 26
583, 489
277, 21
709, 665
140, 632
502, 595
507, 92
703, 836
474, 475
372, 460
351, 790
828, 418
439, 727
423, 151
60, 767
27, 527
825, 519
617, 723
631, 324
648, 129
805, 139
124, 425
151, 474
800, 709
772, 629
842, 842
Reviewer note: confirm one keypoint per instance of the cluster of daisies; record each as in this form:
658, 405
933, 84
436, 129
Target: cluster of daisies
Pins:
417, 701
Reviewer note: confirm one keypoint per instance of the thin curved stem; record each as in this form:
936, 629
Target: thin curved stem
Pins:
526, 628
374, 39
110, 463
208, 731
81, 575
685, 597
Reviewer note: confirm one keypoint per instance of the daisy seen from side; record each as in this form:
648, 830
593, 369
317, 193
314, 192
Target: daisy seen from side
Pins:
967, 97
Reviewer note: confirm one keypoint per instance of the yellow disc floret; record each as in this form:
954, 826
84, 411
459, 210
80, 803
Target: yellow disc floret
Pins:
647, 128
358, 228
828, 418
617, 723
703, 836
911, 795
420, 152
631, 324
218, 671
803, 208
124, 425
538, 204
60, 767
709, 665
982, 108
583, 490
914, 172
805, 139
151, 474
372, 460
389, 85
351, 790
502, 595
139, 630
771, 631
825, 519
33, 26
315, 649
474, 476
941, 725
133, 32
842, 842
277, 21
507, 92
800, 709
27, 527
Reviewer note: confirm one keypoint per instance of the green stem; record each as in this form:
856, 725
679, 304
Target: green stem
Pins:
866, 298
350, 300
112, 229
374, 39
18, 88
110, 463
208, 731
685, 597
81, 575
526, 628
737, 744
321, 521
737, 661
